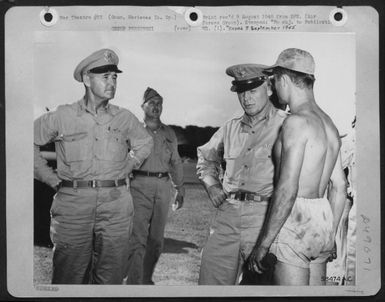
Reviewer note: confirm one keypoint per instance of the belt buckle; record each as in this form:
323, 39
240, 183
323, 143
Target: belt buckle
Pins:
242, 196
159, 175
93, 183
257, 198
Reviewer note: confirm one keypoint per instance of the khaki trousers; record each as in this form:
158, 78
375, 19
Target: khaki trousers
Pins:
90, 229
234, 232
151, 197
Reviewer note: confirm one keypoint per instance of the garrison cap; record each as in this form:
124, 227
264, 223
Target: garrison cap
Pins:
246, 76
150, 94
100, 61
294, 59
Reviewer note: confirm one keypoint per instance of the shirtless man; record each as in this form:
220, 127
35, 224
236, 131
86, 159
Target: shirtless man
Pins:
301, 223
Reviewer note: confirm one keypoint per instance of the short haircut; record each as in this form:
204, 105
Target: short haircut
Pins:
300, 79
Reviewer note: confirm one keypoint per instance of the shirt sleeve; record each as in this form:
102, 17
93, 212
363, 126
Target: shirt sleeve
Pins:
45, 131
176, 167
210, 158
141, 142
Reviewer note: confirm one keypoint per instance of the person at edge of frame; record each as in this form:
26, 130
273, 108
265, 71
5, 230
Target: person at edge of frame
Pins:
245, 145
92, 211
151, 191
342, 270
301, 223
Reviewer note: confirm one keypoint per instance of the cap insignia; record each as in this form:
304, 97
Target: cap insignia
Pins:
240, 72
108, 56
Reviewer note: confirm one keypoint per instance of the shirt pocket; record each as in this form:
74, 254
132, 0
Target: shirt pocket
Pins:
263, 153
166, 150
232, 152
75, 146
116, 146
232, 156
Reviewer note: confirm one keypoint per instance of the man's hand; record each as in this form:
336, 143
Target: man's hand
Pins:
178, 201
256, 258
56, 187
216, 194
333, 253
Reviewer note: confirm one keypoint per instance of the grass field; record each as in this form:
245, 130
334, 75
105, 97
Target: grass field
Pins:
185, 235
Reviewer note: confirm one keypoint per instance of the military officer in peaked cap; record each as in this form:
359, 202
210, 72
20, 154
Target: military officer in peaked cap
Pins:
92, 211
151, 191
245, 143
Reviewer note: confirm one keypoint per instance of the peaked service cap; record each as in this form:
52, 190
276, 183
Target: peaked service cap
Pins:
246, 76
100, 61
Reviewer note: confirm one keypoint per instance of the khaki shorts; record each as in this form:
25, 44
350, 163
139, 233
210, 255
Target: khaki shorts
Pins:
307, 235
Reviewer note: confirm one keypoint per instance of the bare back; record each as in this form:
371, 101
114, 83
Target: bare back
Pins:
320, 151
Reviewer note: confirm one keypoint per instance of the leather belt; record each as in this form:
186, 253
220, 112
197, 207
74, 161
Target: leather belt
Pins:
93, 183
242, 196
151, 174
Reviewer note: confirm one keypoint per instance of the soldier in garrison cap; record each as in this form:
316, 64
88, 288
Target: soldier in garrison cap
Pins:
245, 144
310, 194
151, 191
92, 211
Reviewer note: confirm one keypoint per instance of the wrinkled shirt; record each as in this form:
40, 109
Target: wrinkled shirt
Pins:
247, 152
89, 146
164, 156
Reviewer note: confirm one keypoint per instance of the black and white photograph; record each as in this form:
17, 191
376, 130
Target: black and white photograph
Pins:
192, 147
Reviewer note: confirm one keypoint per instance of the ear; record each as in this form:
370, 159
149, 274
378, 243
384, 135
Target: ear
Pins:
86, 79
285, 79
269, 89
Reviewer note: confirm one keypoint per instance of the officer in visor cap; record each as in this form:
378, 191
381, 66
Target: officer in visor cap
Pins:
245, 144
92, 211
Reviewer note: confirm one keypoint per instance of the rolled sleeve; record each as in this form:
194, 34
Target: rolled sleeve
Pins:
44, 132
209, 159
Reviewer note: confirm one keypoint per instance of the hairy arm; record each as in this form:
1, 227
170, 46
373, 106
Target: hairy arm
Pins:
337, 192
294, 139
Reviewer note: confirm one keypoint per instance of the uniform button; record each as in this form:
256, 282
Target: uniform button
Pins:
248, 149
96, 139
253, 131
245, 166
242, 184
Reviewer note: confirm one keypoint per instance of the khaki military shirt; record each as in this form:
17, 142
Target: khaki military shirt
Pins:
164, 156
247, 152
88, 145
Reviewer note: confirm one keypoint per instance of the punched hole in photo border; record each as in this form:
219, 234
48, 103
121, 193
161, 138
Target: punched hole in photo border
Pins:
338, 17
193, 16
48, 17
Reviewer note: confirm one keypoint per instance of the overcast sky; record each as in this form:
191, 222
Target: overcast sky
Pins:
188, 70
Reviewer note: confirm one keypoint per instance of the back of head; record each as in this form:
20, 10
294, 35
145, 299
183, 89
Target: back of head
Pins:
299, 79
